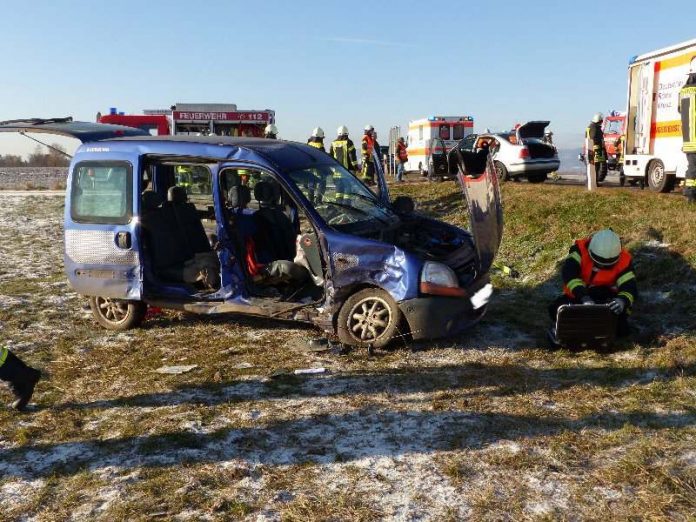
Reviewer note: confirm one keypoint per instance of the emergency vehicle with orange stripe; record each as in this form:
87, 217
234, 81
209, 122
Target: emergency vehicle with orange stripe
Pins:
450, 129
652, 148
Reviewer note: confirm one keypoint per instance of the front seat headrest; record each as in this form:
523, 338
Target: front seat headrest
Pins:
151, 200
264, 193
239, 196
177, 195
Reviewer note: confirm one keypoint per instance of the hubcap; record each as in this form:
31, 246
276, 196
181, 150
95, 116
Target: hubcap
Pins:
112, 310
656, 175
369, 319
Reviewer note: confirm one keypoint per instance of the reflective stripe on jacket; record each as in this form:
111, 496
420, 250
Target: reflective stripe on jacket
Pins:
580, 273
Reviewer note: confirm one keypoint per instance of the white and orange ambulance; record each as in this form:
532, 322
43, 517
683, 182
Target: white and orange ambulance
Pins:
449, 129
653, 126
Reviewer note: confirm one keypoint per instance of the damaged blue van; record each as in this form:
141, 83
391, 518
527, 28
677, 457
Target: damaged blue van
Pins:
213, 225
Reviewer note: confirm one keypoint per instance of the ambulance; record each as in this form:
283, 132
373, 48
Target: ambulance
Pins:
450, 129
652, 148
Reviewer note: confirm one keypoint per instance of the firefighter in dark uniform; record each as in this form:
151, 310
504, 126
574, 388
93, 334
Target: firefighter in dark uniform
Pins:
21, 378
343, 150
598, 154
598, 270
618, 147
316, 140
687, 110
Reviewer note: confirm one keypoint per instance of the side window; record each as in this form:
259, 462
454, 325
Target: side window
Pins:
197, 180
468, 142
247, 177
420, 132
102, 193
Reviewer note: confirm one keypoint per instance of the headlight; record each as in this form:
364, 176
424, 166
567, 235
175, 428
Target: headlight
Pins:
439, 279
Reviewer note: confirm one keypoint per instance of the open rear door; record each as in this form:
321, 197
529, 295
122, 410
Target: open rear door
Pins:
479, 183
82, 130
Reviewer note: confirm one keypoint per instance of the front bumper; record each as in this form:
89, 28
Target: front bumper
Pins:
432, 317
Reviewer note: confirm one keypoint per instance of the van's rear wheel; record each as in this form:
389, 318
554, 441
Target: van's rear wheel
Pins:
368, 317
658, 180
117, 314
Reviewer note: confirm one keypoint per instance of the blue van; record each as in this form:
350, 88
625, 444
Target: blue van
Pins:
213, 224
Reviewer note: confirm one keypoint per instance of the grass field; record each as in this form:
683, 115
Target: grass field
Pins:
486, 426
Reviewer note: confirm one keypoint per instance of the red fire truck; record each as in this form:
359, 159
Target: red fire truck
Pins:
222, 119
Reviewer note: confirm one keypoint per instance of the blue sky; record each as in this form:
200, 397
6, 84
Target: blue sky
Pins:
331, 63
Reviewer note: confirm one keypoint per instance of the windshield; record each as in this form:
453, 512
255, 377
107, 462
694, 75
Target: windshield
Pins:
613, 126
338, 197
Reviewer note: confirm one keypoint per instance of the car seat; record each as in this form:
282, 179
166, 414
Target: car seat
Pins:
276, 234
190, 228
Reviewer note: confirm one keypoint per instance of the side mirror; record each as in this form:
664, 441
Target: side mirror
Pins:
403, 205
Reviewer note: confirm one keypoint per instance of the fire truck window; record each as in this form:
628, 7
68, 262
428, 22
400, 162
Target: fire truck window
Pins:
197, 180
420, 132
457, 132
445, 132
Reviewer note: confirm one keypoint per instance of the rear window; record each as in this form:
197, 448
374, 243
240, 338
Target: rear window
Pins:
102, 192
457, 132
445, 132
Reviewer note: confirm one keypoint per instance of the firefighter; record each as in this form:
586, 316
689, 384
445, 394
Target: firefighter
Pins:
401, 158
367, 148
598, 270
598, 154
343, 150
687, 109
548, 137
21, 378
618, 147
316, 140
270, 132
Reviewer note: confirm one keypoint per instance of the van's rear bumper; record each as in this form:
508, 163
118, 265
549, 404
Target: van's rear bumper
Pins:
432, 317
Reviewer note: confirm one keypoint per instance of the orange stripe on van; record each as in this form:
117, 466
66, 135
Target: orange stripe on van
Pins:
677, 61
666, 129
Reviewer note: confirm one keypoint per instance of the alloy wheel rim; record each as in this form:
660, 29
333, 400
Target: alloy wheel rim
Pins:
369, 319
112, 310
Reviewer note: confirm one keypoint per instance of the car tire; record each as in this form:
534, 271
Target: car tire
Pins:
501, 171
658, 180
117, 314
368, 317
537, 178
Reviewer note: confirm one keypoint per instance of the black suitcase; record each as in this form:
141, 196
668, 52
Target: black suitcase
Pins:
585, 327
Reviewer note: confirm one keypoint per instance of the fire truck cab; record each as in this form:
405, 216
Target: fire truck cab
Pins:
450, 129
198, 119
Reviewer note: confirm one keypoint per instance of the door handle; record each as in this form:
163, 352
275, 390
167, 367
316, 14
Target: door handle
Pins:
123, 240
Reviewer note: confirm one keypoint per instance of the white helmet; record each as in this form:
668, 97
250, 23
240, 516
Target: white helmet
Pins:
369, 128
597, 118
605, 247
271, 129
342, 130
318, 133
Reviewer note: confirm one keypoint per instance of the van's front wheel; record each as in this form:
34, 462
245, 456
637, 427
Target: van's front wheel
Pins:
117, 314
368, 317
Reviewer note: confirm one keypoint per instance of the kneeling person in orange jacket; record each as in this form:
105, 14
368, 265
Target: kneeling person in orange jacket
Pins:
599, 270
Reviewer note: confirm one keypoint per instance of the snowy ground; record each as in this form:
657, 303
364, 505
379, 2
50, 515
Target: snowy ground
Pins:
487, 426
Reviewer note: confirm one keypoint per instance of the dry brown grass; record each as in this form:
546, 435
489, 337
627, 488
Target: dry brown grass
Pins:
487, 426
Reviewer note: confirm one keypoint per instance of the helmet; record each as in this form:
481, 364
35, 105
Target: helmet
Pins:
369, 128
597, 117
318, 133
548, 133
271, 129
342, 130
605, 247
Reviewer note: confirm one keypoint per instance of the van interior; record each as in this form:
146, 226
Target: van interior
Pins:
275, 244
